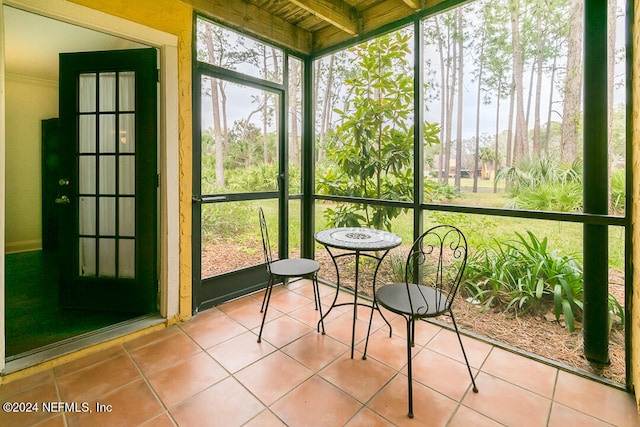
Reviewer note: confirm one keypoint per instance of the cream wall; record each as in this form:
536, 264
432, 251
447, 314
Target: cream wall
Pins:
28, 101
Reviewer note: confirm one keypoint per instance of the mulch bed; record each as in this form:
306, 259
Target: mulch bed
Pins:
536, 333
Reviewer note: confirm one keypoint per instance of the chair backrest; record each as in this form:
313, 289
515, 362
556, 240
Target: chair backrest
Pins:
266, 244
437, 259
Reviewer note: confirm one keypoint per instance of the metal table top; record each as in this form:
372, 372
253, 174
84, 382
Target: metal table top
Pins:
358, 238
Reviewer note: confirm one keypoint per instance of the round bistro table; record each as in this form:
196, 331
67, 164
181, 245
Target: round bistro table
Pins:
357, 241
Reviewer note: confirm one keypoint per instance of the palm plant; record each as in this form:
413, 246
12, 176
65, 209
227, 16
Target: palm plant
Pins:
526, 275
544, 184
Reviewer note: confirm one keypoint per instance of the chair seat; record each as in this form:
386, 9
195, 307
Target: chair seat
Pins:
394, 298
295, 267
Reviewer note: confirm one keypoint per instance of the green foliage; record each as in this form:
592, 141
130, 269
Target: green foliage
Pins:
245, 145
548, 196
261, 177
618, 191
255, 178
436, 192
544, 184
398, 266
526, 275
370, 152
225, 220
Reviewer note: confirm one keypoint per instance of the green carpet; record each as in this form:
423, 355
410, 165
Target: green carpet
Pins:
32, 314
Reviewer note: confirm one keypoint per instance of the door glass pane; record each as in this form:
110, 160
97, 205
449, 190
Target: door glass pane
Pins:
367, 132
107, 91
87, 134
107, 216
295, 124
230, 235
107, 133
87, 101
127, 212
87, 216
126, 259
126, 90
239, 156
127, 130
107, 250
106, 164
87, 178
127, 175
107, 175
231, 50
87, 257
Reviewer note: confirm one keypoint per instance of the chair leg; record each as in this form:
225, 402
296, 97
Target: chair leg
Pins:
316, 291
316, 297
264, 298
366, 343
473, 381
413, 333
410, 328
265, 305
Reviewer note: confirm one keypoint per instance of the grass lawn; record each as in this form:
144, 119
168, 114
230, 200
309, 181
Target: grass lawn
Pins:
480, 230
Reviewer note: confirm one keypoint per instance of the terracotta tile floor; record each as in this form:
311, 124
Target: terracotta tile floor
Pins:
210, 371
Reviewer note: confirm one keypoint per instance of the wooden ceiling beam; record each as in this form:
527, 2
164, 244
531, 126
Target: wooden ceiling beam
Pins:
377, 16
372, 19
336, 12
257, 22
413, 4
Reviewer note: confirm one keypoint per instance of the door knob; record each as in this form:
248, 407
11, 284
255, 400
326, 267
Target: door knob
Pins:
63, 200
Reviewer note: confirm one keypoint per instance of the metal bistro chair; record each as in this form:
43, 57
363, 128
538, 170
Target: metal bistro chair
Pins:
438, 258
284, 269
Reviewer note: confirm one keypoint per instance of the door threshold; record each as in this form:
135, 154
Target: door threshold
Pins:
49, 352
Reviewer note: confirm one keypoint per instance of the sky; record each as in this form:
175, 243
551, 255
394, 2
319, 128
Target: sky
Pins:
240, 104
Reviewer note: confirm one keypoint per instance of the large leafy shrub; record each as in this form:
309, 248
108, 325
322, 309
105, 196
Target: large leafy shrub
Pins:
544, 184
370, 152
525, 275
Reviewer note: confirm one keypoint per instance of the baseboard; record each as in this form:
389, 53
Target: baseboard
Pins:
24, 246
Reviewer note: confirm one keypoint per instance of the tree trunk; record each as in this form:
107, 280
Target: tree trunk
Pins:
497, 151
223, 112
326, 107
443, 100
452, 67
527, 114
294, 151
265, 114
477, 147
573, 85
460, 99
611, 63
536, 112
547, 139
509, 150
520, 145
217, 126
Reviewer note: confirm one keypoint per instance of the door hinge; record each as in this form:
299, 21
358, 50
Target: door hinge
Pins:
158, 75
157, 180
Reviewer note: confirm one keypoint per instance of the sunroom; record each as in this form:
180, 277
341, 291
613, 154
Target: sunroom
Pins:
320, 113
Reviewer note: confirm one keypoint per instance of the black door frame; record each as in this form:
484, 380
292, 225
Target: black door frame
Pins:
209, 292
140, 293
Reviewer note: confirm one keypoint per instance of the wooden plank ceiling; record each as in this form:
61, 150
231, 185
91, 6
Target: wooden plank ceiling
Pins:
309, 26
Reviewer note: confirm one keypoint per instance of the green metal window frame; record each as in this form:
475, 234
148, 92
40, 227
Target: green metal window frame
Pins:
595, 218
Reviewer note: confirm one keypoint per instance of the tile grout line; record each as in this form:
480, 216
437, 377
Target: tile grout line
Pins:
150, 387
